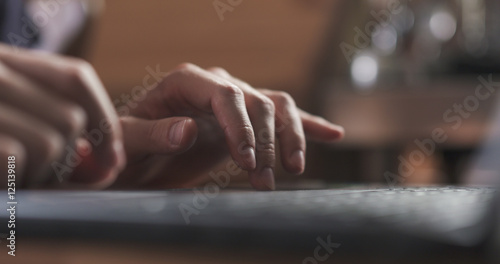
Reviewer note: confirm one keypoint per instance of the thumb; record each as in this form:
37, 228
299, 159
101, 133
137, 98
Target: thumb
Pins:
165, 136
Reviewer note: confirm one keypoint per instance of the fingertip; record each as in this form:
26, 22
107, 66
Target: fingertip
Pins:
331, 132
263, 180
249, 159
115, 159
95, 172
92, 174
338, 132
325, 132
319, 129
296, 162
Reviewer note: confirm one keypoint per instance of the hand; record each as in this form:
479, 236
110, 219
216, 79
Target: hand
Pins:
46, 101
195, 116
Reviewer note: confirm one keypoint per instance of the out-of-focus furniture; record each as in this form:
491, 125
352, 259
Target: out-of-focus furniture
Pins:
407, 65
384, 124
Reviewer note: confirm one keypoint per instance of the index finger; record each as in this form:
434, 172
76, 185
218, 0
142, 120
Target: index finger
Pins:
192, 88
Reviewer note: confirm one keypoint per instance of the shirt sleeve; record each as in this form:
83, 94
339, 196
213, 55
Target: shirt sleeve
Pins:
59, 22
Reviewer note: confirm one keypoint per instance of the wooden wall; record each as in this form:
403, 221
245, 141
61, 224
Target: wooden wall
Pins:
267, 43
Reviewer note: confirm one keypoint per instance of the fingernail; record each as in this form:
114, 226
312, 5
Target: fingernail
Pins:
267, 178
249, 154
176, 133
298, 161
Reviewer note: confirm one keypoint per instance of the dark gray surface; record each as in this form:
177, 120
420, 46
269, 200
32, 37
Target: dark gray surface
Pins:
411, 221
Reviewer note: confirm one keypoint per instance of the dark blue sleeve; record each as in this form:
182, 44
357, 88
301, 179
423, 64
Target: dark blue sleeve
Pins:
16, 27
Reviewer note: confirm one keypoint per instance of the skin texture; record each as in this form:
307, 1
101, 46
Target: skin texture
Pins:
187, 123
45, 102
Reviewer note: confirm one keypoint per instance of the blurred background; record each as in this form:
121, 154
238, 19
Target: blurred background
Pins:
402, 76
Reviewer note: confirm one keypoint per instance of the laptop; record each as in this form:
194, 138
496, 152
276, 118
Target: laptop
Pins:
382, 223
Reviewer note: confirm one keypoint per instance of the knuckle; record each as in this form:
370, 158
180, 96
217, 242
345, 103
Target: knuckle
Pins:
265, 136
51, 146
266, 148
77, 71
79, 65
284, 98
74, 119
218, 70
229, 90
186, 66
264, 103
244, 130
181, 71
